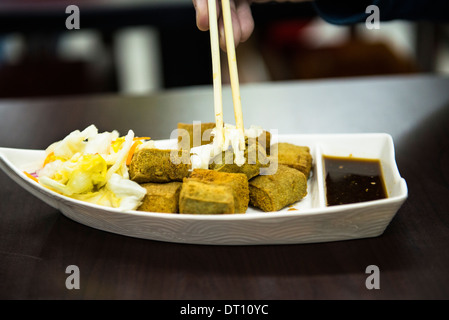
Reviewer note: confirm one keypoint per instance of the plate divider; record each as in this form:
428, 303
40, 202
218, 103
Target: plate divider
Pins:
320, 179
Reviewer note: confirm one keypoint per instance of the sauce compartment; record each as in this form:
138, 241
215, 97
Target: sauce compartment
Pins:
359, 147
352, 180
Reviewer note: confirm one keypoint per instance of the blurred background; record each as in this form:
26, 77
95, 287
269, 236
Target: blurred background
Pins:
141, 46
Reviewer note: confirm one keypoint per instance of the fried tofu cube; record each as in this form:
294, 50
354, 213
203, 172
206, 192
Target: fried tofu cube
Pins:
196, 134
208, 197
198, 197
297, 157
263, 140
161, 197
237, 181
255, 159
157, 165
274, 192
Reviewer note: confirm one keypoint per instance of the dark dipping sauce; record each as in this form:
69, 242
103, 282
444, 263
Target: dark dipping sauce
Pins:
351, 180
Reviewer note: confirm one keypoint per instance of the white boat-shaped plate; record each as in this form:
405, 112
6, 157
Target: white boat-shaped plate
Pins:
308, 221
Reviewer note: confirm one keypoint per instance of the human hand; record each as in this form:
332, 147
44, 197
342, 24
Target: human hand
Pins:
242, 18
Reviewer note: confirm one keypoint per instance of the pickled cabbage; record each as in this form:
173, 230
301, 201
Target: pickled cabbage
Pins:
91, 166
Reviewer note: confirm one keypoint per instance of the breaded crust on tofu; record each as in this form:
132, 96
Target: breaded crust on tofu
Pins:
198, 197
236, 185
187, 131
274, 192
297, 157
157, 165
161, 197
255, 158
263, 140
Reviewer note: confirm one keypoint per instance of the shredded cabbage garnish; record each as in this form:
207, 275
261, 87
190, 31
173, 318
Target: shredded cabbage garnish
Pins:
91, 166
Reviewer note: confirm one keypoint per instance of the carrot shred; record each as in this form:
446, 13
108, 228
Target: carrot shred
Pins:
49, 158
131, 151
31, 177
141, 138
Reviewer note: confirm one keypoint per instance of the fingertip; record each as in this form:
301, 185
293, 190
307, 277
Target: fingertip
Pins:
202, 14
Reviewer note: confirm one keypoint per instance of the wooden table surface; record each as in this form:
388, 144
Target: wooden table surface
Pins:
37, 242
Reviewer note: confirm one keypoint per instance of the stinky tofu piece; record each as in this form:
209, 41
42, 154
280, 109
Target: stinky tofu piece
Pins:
255, 159
195, 133
238, 183
158, 165
297, 157
263, 140
276, 191
198, 197
161, 197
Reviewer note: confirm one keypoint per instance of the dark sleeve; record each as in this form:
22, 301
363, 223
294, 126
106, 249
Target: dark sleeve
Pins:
344, 12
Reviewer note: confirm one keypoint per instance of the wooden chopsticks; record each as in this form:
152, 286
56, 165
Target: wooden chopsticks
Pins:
216, 69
